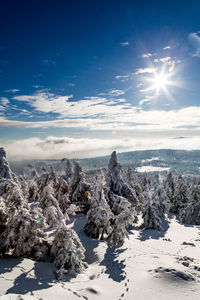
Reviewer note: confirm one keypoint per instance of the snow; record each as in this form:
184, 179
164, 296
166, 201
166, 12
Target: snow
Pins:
150, 265
151, 169
150, 159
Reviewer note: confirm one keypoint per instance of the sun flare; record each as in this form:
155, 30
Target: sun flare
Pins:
160, 81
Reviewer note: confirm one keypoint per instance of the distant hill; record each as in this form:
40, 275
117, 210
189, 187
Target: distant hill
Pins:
178, 161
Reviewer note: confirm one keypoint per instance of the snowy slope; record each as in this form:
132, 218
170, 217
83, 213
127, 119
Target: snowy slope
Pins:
151, 265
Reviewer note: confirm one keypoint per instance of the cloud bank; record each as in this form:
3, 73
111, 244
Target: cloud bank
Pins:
58, 147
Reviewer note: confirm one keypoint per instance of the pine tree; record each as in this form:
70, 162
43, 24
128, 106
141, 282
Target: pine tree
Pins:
67, 250
50, 206
159, 196
121, 223
180, 194
115, 182
134, 183
151, 215
189, 212
23, 235
68, 170
99, 216
3, 215
80, 189
62, 194
169, 185
5, 171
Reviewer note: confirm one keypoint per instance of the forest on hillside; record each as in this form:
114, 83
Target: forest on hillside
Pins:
35, 208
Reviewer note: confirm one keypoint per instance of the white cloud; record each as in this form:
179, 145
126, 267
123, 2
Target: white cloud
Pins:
59, 147
12, 91
89, 107
123, 78
125, 44
145, 70
116, 93
122, 116
146, 99
4, 101
45, 102
65, 123
195, 40
162, 59
146, 55
166, 48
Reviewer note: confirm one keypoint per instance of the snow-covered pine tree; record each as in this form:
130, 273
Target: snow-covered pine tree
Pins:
62, 194
134, 183
189, 212
116, 183
23, 236
160, 198
49, 204
80, 189
67, 251
5, 171
121, 223
124, 216
99, 216
180, 194
169, 186
129, 176
12, 194
33, 193
3, 215
53, 178
23, 185
68, 170
151, 215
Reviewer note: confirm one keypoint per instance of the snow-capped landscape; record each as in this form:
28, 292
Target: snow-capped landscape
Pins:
99, 150
104, 236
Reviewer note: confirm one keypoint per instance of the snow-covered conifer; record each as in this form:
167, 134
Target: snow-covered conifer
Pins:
99, 216
3, 215
151, 215
121, 223
180, 194
159, 196
50, 206
80, 189
62, 194
116, 183
189, 212
134, 183
67, 250
68, 169
23, 235
5, 171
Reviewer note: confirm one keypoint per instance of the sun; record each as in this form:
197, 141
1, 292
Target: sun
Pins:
159, 81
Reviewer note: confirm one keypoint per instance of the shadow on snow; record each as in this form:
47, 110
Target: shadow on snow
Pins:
114, 267
153, 233
40, 276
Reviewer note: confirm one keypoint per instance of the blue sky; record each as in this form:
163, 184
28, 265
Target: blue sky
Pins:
82, 78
